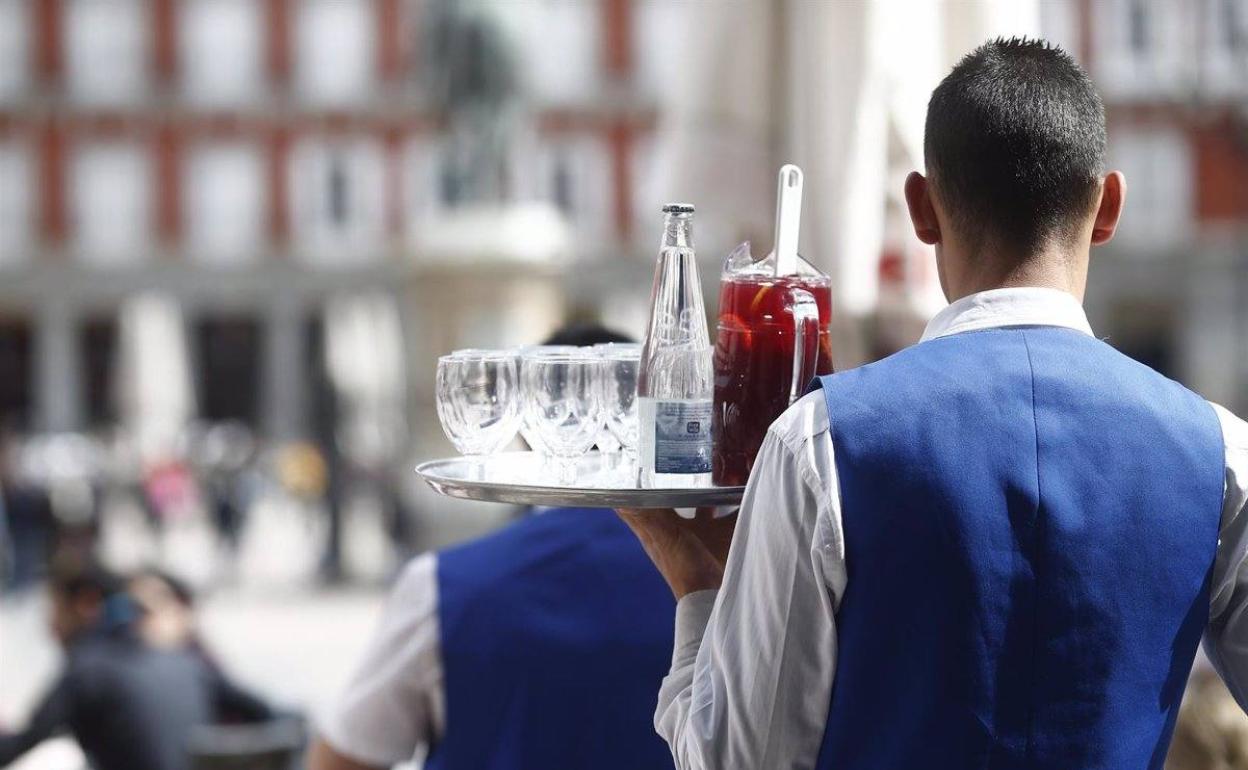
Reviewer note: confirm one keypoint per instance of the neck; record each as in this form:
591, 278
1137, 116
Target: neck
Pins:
1064, 272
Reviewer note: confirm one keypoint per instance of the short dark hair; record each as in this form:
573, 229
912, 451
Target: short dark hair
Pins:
581, 334
1015, 144
76, 578
181, 589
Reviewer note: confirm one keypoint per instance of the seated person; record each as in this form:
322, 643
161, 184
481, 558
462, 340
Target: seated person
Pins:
538, 646
129, 705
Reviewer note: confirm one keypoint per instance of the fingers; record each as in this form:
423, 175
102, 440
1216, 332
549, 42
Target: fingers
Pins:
676, 548
649, 522
637, 512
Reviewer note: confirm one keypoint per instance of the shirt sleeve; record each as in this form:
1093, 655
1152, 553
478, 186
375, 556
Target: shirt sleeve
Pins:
753, 662
394, 704
1226, 639
49, 718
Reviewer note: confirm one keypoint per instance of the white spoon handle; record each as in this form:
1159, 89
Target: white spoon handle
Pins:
788, 218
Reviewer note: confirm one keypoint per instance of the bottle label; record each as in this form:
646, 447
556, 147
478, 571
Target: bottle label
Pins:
680, 432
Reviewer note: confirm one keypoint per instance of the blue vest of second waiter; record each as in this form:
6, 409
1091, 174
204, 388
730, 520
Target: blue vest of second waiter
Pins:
556, 633
1030, 524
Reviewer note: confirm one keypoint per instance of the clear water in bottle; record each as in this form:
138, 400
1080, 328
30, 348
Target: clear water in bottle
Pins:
675, 383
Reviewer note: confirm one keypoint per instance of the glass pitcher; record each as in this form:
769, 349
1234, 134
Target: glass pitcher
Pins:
772, 340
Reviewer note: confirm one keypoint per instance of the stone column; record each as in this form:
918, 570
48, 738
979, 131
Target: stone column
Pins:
58, 374
285, 376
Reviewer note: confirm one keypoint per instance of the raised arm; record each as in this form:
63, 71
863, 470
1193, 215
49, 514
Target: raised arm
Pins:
322, 756
48, 719
754, 660
393, 705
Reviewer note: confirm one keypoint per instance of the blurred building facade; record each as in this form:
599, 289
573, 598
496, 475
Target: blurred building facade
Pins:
300, 178
259, 163
1170, 288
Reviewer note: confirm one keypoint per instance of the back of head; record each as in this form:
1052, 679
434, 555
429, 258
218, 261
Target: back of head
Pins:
81, 591
78, 579
1014, 145
582, 334
178, 590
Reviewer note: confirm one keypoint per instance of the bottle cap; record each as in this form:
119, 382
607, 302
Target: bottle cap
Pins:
678, 208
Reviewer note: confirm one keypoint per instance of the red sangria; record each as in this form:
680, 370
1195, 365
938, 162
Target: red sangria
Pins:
773, 339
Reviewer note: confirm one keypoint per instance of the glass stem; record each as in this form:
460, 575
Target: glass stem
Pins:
567, 470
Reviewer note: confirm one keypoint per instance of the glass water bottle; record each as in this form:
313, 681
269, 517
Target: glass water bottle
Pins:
675, 383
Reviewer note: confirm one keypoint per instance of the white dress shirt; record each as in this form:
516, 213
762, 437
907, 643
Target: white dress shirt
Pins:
394, 706
754, 662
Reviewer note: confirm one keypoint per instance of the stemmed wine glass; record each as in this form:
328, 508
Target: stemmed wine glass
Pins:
524, 353
478, 400
563, 405
617, 387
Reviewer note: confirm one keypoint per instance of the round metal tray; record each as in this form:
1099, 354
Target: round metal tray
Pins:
526, 478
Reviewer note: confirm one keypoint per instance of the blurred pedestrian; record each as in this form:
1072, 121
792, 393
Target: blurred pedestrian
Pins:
27, 511
538, 646
224, 457
129, 705
6, 546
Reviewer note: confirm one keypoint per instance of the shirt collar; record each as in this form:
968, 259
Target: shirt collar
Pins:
995, 308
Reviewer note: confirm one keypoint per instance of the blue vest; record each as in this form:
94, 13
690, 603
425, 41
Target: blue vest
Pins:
556, 634
1030, 522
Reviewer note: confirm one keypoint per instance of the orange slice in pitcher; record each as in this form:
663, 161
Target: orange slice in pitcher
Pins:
733, 322
758, 299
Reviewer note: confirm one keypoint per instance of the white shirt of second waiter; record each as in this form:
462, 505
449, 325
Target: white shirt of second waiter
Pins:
394, 705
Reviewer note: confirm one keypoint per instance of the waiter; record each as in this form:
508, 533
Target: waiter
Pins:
998, 548
537, 646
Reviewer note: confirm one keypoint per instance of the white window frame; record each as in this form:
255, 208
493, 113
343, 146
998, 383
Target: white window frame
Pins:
335, 50
17, 204
363, 237
587, 157
106, 48
558, 45
15, 50
225, 202
1223, 68
1158, 162
421, 184
1166, 69
222, 51
112, 203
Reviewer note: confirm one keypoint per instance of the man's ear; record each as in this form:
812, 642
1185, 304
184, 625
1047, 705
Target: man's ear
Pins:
1109, 210
922, 212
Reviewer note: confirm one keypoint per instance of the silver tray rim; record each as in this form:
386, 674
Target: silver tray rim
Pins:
590, 497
